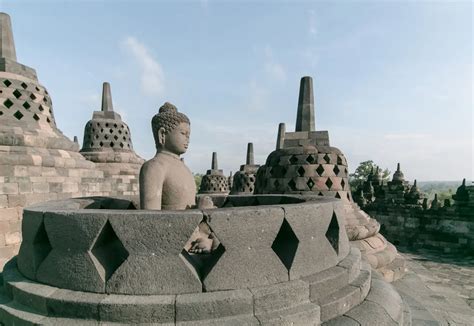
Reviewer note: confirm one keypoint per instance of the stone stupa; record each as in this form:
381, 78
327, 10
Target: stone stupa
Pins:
214, 181
108, 143
37, 161
244, 179
304, 163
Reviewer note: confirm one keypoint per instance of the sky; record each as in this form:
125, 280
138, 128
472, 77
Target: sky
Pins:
392, 79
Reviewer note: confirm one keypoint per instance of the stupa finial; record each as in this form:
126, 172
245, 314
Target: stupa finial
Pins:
7, 45
281, 136
398, 167
305, 115
214, 161
250, 160
106, 98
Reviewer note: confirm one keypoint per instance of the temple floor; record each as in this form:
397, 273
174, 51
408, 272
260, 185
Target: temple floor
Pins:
438, 282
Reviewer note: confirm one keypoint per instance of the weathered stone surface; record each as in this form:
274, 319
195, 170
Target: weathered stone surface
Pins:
250, 246
213, 305
154, 244
279, 296
74, 304
138, 309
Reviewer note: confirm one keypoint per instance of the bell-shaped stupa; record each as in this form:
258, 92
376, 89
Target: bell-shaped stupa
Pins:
37, 161
244, 179
305, 163
214, 181
107, 142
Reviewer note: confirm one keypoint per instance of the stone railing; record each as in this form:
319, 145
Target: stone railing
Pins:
83, 244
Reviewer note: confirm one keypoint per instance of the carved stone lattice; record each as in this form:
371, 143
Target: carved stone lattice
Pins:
286, 244
108, 252
332, 233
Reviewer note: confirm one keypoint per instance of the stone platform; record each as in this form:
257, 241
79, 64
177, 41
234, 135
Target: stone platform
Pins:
280, 261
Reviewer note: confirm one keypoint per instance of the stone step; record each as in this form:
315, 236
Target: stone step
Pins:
304, 315
347, 297
326, 282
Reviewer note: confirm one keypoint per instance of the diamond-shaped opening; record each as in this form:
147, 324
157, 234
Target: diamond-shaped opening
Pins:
36, 117
310, 159
320, 170
111, 131
109, 252
310, 183
112, 144
204, 239
17, 93
24, 85
293, 159
286, 244
301, 171
337, 195
348, 197
41, 108
343, 184
37, 89
33, 97
1, 112
320, 194
8, 103
101, 144
332, 234
18, 115
121, 145
277, 184
339, 160
115, 137
327, 158
7, 83
336, 170
48, 120
329, 183
26, 105
106, 136
41, 245
115, 125
292, 185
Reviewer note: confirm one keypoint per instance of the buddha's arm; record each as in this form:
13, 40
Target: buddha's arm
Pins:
151, 187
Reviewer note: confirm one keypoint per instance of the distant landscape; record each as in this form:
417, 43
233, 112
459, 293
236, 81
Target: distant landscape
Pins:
444, 189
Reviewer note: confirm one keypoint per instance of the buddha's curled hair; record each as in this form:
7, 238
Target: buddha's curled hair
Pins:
168, 117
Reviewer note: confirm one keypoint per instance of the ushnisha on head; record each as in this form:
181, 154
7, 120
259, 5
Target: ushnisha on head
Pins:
171, 130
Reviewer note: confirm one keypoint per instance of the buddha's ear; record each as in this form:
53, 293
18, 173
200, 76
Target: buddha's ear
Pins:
161, 136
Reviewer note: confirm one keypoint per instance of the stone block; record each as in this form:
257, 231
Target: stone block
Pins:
241, 320
8, 188
213, 305
383, 294
74, 304
352, 263
323, 283
16, 200
32, 295
370, 313
12, 238
302, 315
40, 187
154, 243
248, 260
138, 309
339, 302
310, 222
3, 202
279, 296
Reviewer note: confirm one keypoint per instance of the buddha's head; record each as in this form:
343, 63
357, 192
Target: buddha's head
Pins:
171, 129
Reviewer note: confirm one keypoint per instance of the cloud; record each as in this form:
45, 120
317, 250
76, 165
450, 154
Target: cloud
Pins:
313, 31
152, 76
257, 97
274, 69
405, 136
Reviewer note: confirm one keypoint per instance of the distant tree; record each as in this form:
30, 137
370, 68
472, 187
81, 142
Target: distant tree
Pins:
197, 179
357, 178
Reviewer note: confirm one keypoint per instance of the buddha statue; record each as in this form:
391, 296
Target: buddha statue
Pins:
166, 183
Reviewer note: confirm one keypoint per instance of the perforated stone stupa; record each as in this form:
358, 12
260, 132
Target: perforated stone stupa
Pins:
244, 179
108, 143
37, 161
304, 163
214, 181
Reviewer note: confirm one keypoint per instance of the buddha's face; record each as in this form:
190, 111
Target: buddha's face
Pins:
177, 140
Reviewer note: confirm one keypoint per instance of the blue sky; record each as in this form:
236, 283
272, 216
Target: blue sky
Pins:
393, 80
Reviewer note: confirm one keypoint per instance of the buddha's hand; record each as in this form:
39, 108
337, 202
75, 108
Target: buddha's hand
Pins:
202, 245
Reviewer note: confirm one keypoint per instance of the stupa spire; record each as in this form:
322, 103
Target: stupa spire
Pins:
7, 45
305, 115
214, 161
106, 98
281, 136
250, 160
